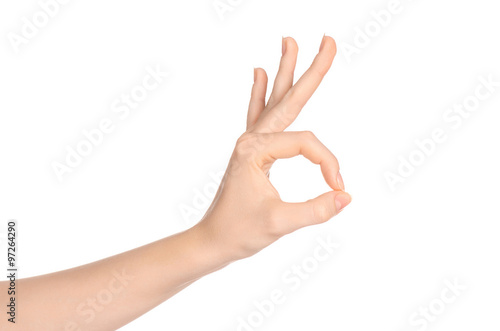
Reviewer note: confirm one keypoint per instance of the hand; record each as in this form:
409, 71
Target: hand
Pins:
247, 213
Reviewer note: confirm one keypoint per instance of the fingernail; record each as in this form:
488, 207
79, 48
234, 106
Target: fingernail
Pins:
340, 181
283, 45
322, 42
254, 75
342, 200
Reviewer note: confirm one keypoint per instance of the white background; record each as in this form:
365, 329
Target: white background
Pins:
397, 248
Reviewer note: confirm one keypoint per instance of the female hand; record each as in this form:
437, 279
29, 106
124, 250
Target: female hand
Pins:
247, 213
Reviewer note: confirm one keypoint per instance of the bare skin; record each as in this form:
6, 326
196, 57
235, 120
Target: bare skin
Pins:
246, 215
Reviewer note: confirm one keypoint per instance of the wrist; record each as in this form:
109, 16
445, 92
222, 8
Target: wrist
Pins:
214, 253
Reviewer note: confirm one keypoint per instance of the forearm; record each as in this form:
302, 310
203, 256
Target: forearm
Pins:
110, 293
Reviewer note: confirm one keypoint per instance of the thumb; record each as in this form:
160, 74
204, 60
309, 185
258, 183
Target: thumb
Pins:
317, 210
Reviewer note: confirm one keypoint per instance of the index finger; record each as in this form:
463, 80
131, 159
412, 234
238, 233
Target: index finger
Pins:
281, 116
289, 144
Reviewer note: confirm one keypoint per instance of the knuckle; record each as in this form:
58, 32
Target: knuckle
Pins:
335, 160
309, 135
274, 222
246, 145
321, 71
321, 212
244, 138
243, 145
292, 98
320, 68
